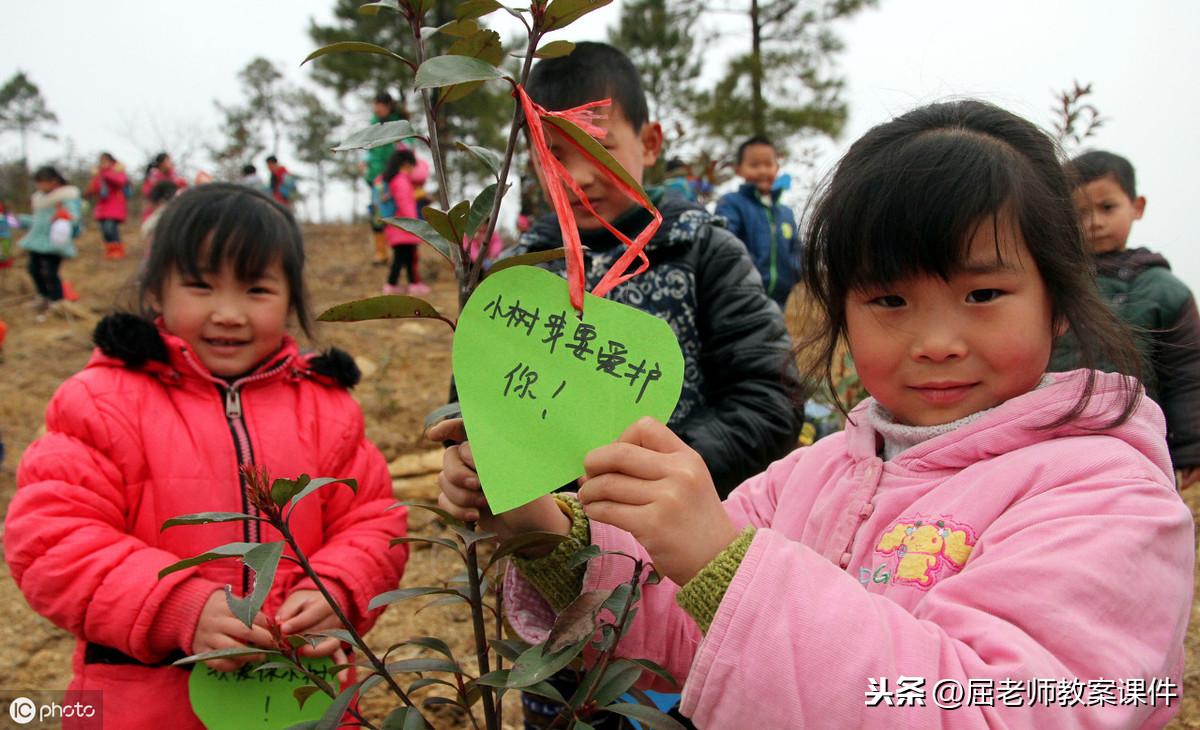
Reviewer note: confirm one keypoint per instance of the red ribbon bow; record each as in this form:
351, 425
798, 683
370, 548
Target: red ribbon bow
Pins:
558, 180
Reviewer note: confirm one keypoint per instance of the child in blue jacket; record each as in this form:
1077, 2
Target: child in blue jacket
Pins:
767, 227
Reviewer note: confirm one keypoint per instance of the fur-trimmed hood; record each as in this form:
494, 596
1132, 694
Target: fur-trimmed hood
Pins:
137, 343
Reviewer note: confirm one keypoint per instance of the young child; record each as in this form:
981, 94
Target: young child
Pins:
396, 199
161, 169
978, 522
157, 425
1139, 286
735, 408
767, 227
160, 194
108, 188
282, 184
53, 226
384, 109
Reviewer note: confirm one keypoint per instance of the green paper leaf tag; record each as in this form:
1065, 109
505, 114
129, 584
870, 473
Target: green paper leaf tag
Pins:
540, 388
245, 698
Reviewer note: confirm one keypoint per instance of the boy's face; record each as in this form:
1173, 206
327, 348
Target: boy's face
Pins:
1107, 213
633, 150
759, 166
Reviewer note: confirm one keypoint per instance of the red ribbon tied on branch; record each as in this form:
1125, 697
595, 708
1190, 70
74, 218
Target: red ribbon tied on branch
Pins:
558, 180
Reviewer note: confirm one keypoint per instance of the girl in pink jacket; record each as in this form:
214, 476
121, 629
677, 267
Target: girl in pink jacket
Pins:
398, 199
108, 189
985, 544
168, 410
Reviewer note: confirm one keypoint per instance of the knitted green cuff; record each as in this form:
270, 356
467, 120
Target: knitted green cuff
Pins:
701, 596
549, 574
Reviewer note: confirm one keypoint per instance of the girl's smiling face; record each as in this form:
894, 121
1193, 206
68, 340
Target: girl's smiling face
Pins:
231, 325
932, 351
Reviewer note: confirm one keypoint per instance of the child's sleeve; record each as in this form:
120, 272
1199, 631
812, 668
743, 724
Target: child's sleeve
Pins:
749, 418
1177, 365
66, 541
356, 561
729, 210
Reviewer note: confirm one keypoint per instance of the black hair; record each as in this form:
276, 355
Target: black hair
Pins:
271, 159
1094, 165
591, 72
160, 158
385, 98
908, 197
398, 159
162, 191
757, 139
49, 173
249, 170
107, 156
207, 226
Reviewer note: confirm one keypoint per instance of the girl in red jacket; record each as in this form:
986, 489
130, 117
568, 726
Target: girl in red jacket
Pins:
399, 197
168, 410
161, 169
107, 188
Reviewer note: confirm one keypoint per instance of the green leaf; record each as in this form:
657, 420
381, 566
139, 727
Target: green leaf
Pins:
461, 28
303, 693
233, 549
484, 45
510, 649
470, 537
555, 49
489, 158
537, 664
525, 541
373, 8
562, 13
582, 556
224, 653
404, 718
481, 210
649, 717
284, 489
458, 219
656, 669
423, 682
358, 47
433, 643
443, 541
528, 259
616, 601
403, 594
443, 514
452, 598
263, 560
545, 689
378, 135
449, 70
618, 678
204, 518
333, 716
340, 635
389, 306
424, 664
476, 9
427, 233
495, 678
441, 413
593, 148
316, 484
576, 622
440, 221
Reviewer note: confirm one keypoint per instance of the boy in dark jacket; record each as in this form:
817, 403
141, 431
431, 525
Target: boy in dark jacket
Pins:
1139, 286
736, 407
767, 227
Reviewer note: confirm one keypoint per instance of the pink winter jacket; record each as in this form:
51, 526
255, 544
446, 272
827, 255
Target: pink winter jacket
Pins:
992, 552
127, 447
400, 190
107, 188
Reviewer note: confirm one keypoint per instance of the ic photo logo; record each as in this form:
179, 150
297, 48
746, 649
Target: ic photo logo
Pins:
25, 711
22, 710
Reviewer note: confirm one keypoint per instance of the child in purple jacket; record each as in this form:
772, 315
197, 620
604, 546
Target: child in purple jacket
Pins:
986, 544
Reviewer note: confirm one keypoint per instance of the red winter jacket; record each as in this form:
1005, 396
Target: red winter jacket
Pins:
144, 433
107, 188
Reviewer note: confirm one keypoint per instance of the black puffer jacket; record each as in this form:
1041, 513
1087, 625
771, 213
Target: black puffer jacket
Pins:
737, 408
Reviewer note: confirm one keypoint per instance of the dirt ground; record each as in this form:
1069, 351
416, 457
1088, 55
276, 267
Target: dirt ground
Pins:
406, 374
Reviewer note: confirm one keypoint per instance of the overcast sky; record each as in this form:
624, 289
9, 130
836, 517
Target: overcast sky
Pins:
132, 76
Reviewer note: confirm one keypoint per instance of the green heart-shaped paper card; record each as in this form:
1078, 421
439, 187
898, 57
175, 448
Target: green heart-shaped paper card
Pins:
540, 388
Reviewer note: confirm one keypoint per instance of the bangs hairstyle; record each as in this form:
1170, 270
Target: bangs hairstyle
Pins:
591, 72
209, 226
908, 197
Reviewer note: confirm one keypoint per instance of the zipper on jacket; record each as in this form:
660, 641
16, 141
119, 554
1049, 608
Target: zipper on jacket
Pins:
235, 418
774, 276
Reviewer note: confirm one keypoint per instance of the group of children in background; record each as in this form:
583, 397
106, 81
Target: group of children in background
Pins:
987, 514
